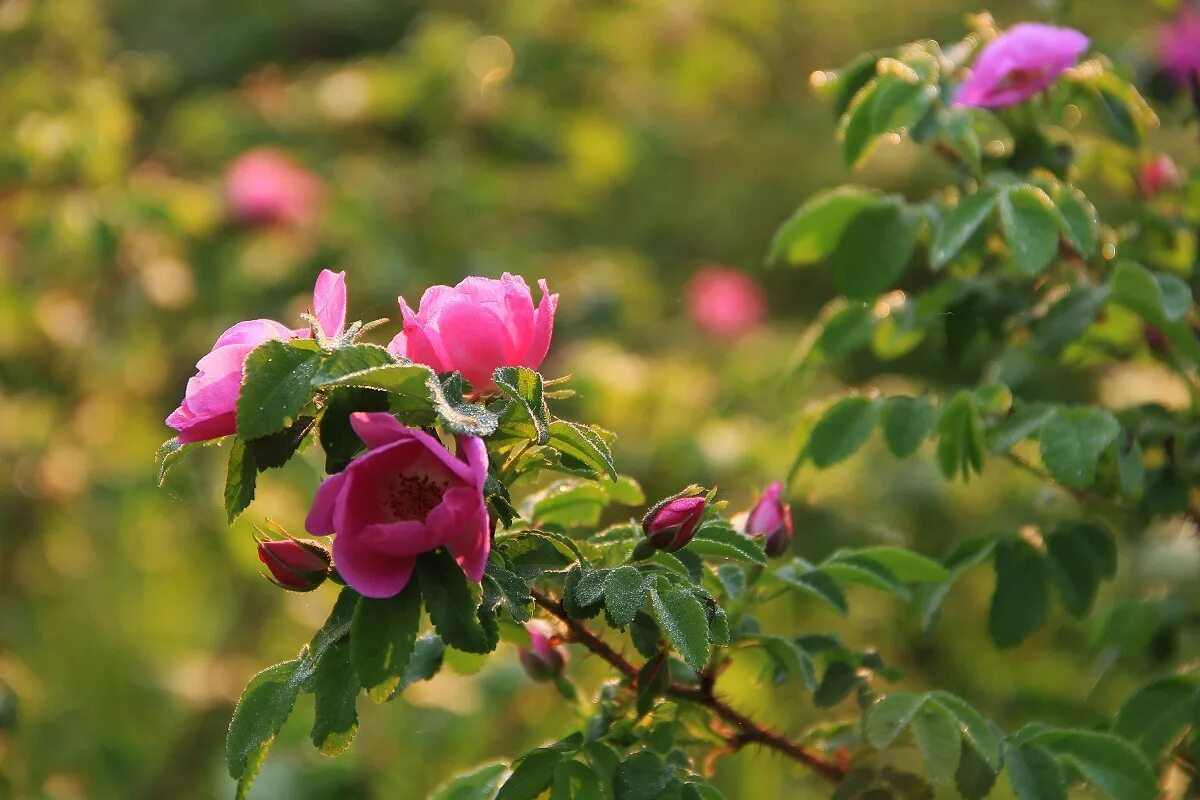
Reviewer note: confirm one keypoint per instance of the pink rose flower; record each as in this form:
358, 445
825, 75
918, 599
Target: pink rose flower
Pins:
1019, 63
1179, 45
209, 407
546, 656
265, 186
477, 326
771, 520
671, 525
405, 496
724, 302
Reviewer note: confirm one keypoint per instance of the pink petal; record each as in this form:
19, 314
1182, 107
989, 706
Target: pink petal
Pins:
377, 428
474, 341
319, 521
461, 523
329, 302
474, 452
543, 328
416, 342
369, 573
254, 332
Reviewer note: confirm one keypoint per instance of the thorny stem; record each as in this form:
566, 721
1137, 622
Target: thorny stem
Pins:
747, 730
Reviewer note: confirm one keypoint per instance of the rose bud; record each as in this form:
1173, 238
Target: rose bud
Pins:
545, 659
1157, 175
771, 519
295, 565
1019, 63
670, 525
477, 326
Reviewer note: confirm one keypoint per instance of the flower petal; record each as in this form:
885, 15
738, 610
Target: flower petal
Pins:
377, 428
543, 329
320, 519
370, 573
474, 341
329, 302
461, 523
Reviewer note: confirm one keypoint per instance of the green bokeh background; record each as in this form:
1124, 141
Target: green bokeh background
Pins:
611, 147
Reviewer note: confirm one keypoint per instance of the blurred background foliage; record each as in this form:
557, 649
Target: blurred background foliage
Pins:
611, 147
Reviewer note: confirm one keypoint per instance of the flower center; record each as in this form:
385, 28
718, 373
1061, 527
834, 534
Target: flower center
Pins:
1021, 78
412, 497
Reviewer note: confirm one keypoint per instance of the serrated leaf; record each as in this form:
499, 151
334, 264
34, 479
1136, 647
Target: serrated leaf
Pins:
683, 621
815, 229
889, 716
718, 539
641, 776
960, 437
427, 657
816, 584
974, 777
1021, 600
850, 568
531, 775
846, 330
1034, 773
276, 386
338, 439
170, 452
842, 430
568, 504
839, 681
1072, 441
975, 729
260, 713
1109, 763
453, 603
336, 689
960, 225
1079, 220
524, 387
458, 416
1155, 716
624, 594
240, 477
906, 422
352, 360
939, 740
383, 633
583, 444
1073, 569
1068, 318
1030, 227
874, 250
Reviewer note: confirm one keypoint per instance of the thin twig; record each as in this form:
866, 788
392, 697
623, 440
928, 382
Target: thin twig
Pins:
748, 731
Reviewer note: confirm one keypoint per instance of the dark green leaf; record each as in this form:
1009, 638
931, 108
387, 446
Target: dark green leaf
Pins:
890, 716
939, 739
1021, 599
458, 416
1023, 422
846, 330
336, 688
524, 387
425, 662
641, 776
532, 775
839, 681
906, 565
717, 539
584, 444
815, 583
1112, 765
1030, 227
263, 708
1074, 568
338, 439
276, 386
1155, 716
975, 729
1072, 441
624, 594
1079, 221
453, 603
274, 451
974, 777
906, 422
383, 633
1034, 773
843, 429
240, 477
960, 225
851, 568
1068, 318
874, 250
815, 229
684, 622
960, 437
478, 784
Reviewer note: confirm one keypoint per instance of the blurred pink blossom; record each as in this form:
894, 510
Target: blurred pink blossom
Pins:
1178, 44
1019, 63
1158, 174
724, 302
265, 186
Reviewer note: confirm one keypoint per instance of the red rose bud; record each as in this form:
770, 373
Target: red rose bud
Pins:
670, 525
545, 659
295, 565
771, 519
1157, 175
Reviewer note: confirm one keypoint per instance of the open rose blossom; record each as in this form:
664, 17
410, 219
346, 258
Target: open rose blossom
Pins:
477, 326
209, 407
725, 303
405, 496
265, 186
771, 520
1178, 45
1019, 63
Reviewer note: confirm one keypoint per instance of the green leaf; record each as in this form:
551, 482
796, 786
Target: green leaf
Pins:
1072, 441
1024, 421
503, 586
855, 129
906, 423
275, 450
1078, 218
478, 784
874, 250
683, 621
336, 688
1021, 600
263, 708
641, 776
532, 775
426, 660
383, 633
813, 232
584, 444
960, 437
412, 381
1034, 773
569, 504
718, 539
1030, 227
850, 568
1176, 296
1075, 566
905, 564
276, 386
842, 430
846, 330
1131, 468
900, 101
240, 478
1068, 318
839, 681
939, 740
975, 729
974, 777
589, 590
530, 554
890, 716
966, 554
1112, 765
788, 659
1155, 716
624, 594
170, 451
524, 387
960, 225
816, 584
458, 416
351, 360
574, 780
453, 603
338, 439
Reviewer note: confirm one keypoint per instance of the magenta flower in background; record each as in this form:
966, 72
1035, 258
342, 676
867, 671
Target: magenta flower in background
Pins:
771, 520
724, 302
546, 656
1019, 63
405, 496
265, 186
209, 407
1178, 44
670, 525
477, 326
1158, 174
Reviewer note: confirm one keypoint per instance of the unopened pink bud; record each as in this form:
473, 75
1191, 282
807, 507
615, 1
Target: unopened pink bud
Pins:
295, 565
671, 525
546, 656
771, 519
1157, 175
